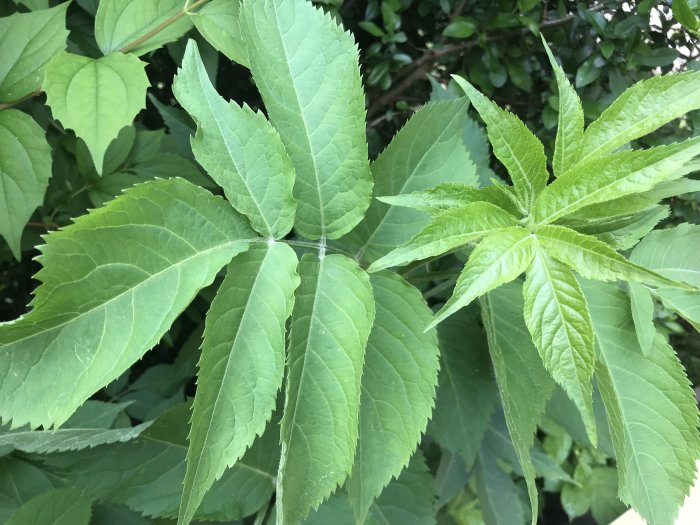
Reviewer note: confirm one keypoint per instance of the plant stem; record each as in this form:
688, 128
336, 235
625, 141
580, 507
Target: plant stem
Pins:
33, 94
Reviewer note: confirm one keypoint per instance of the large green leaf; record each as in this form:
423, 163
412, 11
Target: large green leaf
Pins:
499, 258
520, 151
611, 177
594, 259
524, 384
241, 367
239, 149
218, 22
28, 41
673, 253
306, 68
651, 410
426, 151
25, 169
641, 109
121, 23
19, 482
331, 322
558, 320
570, 120
63, 506
467, 391
96, 97
398, 388
112, 284
448, 230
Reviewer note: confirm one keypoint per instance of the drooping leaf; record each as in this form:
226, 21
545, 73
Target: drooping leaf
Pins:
64, 506
426, 151
331, 322
449, 230
641, 109
498, 495
499, 258
467, 391
611, 177
306, 68
96, 97
121, 23
524, 384
241, 367
642, 306
558, 320
570, 120
239, 149
398, 388
218, 22
25, 169
520, 151
594, 259
28, 41
112, 284
651, 410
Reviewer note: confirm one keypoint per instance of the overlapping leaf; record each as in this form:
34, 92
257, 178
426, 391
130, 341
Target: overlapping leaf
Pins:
62, 506
218, 22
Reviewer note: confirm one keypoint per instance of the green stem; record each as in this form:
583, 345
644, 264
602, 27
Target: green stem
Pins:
33, 94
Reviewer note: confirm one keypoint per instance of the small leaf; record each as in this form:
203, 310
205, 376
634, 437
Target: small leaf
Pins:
239, 149
28, 41
460, 27
218, 22
96, 97
501, 257
63, 506
684, 14
520, 151
605, 505
25, 169
642, 306
331, 322
448, 230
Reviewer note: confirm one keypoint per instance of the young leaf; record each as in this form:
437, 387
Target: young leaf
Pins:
96, 97
594, 259
112, 284
306, 68
642, 306
239, 149
524, 384
448, 230
120, 23
241, 367
570, 120
641, 109
426, 151
398, 388
558, 320
25, 169
28, 41
651, 410
64, 506
499, 258
331, 322
218, 22
611, 177
514, 145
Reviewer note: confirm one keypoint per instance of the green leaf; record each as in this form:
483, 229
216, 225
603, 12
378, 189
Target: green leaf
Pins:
524, 384
684, 14
398, 388
467, 391
651, 410
63, 506
306, 68
218, 22
570, 123
611, 177
499, 258
498, 495
576, 499
19, 482
558, 320
112, 284
513, 144
331, 322
96, 97
242, 365
641, 109
28, 41
460, 27
673, 253
605, 505
642, 306
239, 149
449, 230
120, 23
426, 151
594, 259
25, 169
